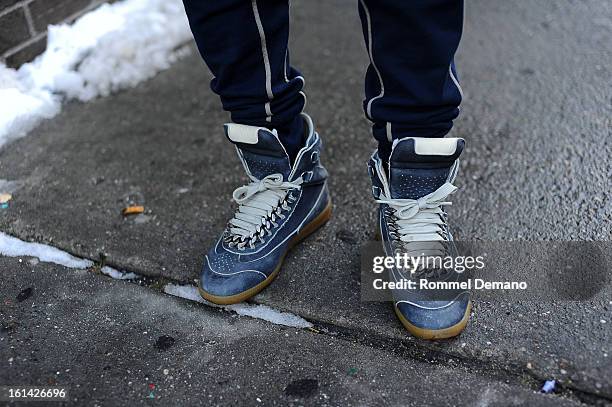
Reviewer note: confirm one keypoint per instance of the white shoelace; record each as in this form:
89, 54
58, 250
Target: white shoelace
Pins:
420, 220
260, 203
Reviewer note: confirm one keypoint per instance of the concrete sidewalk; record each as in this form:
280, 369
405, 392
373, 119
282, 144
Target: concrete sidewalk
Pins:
116, 343
537, 124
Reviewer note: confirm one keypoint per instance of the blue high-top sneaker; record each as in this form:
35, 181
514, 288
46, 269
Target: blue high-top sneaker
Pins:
413, 222
282, 205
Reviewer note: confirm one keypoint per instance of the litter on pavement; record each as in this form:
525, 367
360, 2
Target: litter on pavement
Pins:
4, 200
132, 210
548, 386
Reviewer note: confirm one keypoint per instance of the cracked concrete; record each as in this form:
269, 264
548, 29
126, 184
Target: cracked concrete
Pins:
112, 342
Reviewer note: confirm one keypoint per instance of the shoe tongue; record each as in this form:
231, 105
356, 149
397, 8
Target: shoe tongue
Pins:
261, 151
419, 166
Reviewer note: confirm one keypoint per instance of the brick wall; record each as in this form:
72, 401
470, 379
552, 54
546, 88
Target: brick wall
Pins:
23, 25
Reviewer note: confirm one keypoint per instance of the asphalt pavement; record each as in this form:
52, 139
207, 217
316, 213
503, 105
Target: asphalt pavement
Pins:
537, 119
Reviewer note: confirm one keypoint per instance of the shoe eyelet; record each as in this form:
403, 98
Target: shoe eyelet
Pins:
314, 157
307, 176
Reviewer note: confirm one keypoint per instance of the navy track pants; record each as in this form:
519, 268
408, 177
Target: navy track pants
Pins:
411, 85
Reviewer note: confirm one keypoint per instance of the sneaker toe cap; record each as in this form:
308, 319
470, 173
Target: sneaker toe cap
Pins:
434, 315
224, 284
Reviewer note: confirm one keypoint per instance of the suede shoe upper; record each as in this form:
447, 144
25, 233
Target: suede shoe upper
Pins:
279, 201
413, 221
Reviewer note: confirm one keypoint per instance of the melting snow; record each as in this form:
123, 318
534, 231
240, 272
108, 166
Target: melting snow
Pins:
113, 47
254, 311
13, 247
118, 275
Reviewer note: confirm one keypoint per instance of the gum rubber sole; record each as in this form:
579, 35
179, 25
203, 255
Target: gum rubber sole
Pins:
315, 224
432, 334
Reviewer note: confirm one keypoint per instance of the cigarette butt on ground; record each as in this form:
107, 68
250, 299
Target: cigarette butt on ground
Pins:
132, 210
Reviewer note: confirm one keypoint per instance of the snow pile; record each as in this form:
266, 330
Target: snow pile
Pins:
254, 311
22, 107
13, 247
113, 47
